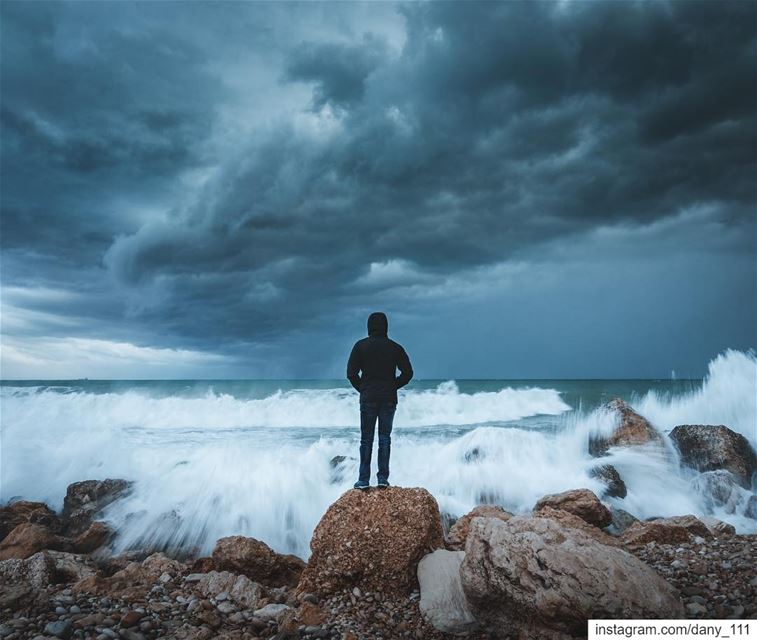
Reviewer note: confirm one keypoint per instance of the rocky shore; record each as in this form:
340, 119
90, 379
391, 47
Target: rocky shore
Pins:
387, 564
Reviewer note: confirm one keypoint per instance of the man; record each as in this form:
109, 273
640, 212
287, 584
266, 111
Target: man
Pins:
377, 357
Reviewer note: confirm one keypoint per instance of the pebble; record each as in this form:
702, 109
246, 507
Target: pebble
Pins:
59, 628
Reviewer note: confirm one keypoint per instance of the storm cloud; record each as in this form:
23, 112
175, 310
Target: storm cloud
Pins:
528, 189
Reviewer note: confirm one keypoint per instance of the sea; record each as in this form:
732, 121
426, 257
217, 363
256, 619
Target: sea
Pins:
212, 458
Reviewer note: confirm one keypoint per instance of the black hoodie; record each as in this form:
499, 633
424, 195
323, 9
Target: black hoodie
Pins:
378, 357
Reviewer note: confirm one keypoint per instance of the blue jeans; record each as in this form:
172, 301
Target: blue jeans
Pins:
369, 411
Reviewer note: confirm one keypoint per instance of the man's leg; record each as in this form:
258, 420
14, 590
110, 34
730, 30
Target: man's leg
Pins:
385, 420
368, 411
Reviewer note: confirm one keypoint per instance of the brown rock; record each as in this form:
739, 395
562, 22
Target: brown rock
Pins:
258, 561
84, 500
538, 578
29, 538
133, 581
374, 540
633, 429
310, 614
708, 447
665, 531
24, 511
130, 619
580, 502
458, 532
571, 520
93, 538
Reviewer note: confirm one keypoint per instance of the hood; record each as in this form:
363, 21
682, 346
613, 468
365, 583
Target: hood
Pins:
378, 325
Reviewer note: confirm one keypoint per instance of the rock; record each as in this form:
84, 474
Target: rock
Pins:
720, 489
23, 512
709, 447
615, 487
310, 614
93, 538
258, 561
632, 430
374, 540
84, 500
458, 532
718, 527
568, 519
60, 628
29, 538
751, 507
621, 520
442, 599
133, 581
130, 619
580, 502
273, 612
535, 576
666, 530
338, 466
240, 589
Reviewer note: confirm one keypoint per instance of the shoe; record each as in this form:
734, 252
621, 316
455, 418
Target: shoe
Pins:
362, 485
383, 484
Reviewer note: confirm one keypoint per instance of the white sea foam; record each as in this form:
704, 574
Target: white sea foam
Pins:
220, 465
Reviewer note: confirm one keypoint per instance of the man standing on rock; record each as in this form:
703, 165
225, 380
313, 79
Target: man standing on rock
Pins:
378, 358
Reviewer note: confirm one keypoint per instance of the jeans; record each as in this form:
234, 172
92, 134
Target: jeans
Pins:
369, 411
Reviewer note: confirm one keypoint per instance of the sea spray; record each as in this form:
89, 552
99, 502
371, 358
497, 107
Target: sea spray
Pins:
216, 459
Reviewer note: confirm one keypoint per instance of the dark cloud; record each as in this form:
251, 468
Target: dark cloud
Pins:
271, 185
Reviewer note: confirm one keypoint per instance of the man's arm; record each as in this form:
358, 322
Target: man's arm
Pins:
353, 368
406, 369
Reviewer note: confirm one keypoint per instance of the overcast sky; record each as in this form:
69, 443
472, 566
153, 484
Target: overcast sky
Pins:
527, 189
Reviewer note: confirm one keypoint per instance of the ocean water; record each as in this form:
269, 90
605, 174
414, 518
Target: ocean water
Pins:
251, 457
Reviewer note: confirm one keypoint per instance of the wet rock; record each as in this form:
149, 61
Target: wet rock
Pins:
374, 540
751, 507
718, 527
614, 485
580, 502
666, 530
442, 599
720, 489
621, 520
84, 500
533, 574
632, 430
710, 447
458, 532
22, 512
258, 561
96, 535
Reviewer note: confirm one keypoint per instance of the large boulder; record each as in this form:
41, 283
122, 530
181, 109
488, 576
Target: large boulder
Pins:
84, 500
238, 588
537, 578
23, 511
458, 532
672, 530
571, 520
632, 430
442, 599
29, 538
258, 561
373, 539
580, 502
708, 447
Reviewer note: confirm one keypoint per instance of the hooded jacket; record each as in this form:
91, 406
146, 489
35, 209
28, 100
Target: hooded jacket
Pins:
373, 363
